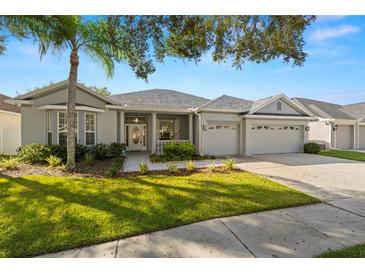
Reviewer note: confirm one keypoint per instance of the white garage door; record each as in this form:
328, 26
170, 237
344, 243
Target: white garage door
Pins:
344, 137
362, 137
276, 139
223, 139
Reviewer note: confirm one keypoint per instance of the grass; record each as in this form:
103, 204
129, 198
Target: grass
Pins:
356, 251
41, 214
344, 154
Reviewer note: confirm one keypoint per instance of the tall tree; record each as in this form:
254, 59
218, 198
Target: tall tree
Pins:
140, 41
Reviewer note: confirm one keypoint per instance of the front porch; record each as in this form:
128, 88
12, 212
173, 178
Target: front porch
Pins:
142, 131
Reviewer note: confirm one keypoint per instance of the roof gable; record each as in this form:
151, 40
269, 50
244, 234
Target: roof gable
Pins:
227, 103
264, 105
37, 93
6, 106
160, 97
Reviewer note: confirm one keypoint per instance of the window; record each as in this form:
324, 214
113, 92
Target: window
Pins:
49, 128
62, 128
90, 128
278, 106
167, 129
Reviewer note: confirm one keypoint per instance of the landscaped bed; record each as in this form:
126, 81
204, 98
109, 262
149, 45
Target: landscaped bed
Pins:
344, 154
41, 214
355, 251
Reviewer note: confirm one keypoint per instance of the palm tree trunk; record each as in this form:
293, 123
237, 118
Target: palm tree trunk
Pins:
71, 108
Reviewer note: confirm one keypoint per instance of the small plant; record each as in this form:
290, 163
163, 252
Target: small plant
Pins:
53, 161
143, 168
63, 168
190, 166
312, 148
10, 163
211, 166
229, 163
89, 159
172, 168
116, 166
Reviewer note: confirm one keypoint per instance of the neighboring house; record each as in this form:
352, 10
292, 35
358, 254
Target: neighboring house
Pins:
145, 120
339, 126
9, 127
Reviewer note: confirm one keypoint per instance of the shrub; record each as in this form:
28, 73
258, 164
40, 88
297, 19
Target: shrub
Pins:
100, 151
190, 166
172, 168
203, 157
116, 166
53, 160
115, 149
143, 168
89, 159
80, 151
10, 163
229, 163
34, 153
179, 152
59, 150
157, 158
312, 148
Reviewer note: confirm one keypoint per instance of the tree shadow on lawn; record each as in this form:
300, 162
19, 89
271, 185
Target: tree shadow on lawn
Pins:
38, 218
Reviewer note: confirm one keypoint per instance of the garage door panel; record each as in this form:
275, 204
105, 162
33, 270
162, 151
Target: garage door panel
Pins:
276, 139
223, 139
344, 137
362, 137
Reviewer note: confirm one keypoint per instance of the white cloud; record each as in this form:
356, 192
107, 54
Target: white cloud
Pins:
327, 33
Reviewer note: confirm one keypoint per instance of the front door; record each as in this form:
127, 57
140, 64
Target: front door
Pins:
137, 137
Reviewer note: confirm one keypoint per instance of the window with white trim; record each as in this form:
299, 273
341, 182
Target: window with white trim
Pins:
62, 128
90, 128
49, 128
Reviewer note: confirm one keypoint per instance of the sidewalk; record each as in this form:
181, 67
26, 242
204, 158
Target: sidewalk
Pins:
293, 232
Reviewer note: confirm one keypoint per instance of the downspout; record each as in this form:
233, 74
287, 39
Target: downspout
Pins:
195, 110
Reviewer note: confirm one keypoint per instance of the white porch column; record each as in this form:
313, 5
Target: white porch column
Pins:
191, 128
154, 134
122, 127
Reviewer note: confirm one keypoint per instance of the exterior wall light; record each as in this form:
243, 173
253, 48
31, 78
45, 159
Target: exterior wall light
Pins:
307, 128
334, 128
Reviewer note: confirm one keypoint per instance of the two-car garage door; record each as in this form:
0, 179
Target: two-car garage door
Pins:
276, 139
223, 139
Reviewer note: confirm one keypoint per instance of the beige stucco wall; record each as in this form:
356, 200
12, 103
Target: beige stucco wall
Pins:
285, 109
320, 132
34, 121
106, 127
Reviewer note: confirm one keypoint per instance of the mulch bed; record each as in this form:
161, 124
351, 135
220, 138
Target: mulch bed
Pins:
98, 170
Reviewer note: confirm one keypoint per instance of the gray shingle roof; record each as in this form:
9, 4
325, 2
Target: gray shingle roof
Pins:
355, 110
320, 108
226, 102
7, 107
160, 97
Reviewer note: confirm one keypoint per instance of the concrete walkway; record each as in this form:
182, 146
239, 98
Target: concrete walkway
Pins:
293, 232
134, 158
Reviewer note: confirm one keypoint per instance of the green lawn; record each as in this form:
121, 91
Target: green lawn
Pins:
356, 251
350, 155
40, 214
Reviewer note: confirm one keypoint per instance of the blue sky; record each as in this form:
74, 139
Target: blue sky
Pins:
334, 70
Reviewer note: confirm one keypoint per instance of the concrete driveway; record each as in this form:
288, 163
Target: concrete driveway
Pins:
327, 178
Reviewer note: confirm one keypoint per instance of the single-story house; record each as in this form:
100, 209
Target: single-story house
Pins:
145, 120
338, 126
9, 127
